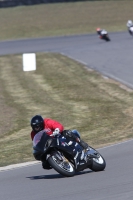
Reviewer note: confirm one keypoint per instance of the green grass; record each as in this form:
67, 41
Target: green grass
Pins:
64, 18
62, 89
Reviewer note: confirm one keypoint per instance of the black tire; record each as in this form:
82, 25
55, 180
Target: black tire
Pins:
106, 37
108, 40
60, 169
98, 164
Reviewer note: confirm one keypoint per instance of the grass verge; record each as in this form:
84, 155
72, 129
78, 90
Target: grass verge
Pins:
62, 89
64, 18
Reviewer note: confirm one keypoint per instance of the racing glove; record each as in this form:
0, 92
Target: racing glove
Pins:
56, 132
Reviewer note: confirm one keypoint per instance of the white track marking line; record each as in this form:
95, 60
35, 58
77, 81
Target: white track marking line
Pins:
15, 166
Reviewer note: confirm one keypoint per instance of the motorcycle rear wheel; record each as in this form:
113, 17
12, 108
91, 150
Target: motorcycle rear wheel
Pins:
64, 167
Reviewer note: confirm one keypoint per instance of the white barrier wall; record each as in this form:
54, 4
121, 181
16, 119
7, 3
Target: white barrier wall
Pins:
29, 61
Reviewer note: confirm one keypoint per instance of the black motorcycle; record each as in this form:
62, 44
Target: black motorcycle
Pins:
65, 156
105, 37
103, 34
130, 30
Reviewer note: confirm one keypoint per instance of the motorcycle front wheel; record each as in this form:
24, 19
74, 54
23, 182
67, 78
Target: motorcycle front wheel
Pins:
98, 164
107, 38
62, 166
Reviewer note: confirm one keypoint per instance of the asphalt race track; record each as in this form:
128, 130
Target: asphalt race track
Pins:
32, 182
113, 59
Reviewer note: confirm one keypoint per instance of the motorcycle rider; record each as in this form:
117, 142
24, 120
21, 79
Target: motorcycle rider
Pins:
101, 32
53, 128
129, 26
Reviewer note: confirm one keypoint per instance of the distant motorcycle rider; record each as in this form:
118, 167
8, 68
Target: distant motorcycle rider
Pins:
101, 32
130, 27
53, 128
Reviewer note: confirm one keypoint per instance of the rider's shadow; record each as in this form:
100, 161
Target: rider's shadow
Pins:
51, 176
83, 172
56, 176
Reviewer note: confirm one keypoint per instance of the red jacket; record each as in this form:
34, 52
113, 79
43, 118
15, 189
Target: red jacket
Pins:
49, 126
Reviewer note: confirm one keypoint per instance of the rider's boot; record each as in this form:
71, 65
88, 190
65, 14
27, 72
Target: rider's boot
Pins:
45, 165
83, 144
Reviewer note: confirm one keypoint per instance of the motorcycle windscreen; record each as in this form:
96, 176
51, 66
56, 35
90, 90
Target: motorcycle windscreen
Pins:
40, 140
37, 138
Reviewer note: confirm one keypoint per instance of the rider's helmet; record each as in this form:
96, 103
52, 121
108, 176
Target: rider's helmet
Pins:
37, 123
129, 23
98, 30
